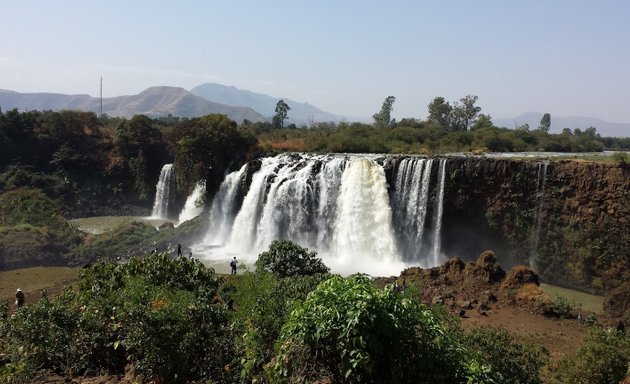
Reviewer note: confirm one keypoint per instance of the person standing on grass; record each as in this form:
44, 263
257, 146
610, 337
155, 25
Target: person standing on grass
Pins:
19, 298
179, 249
233, 265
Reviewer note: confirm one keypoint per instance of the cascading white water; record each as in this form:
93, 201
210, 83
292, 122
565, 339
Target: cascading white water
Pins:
162, 192
243, 234
222, 210
336, 205
363, 227
194, 203
289, 207
540, 191
439, 210
411, 196
329, 184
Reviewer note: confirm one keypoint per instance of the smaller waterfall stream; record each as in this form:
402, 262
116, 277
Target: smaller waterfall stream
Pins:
439, 209
194, 203
540, 191
162, 192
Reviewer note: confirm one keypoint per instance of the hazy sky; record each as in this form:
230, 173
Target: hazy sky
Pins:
567, 58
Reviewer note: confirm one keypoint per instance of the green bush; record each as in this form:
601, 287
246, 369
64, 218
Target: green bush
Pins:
349, 331
517, 362
604, 358
263, 303
157, 313
285, 258
563, 306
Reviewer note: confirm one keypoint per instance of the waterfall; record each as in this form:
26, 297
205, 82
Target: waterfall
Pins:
162, 191
243, 233
363, 226
540, 192
439, 209
194, 203
338, 205
411, 196
222, 210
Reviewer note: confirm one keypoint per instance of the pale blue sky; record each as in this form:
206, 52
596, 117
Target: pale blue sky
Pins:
568, 58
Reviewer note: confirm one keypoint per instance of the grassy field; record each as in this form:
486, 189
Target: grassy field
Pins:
35, 279
591, 303
100, 224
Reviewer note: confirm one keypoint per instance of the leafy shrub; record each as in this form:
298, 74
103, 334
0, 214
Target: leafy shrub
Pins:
516, 362
563, 306
622, 159
263, 304
604, 358
285, 258
349, 331
158, 313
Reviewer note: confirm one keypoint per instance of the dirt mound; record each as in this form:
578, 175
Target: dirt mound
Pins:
519, 276
480, 285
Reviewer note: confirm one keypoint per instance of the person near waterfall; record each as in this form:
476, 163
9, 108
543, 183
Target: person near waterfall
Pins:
179, 249
19, 298
233, 265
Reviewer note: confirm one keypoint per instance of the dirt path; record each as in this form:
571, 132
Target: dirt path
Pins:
559, 336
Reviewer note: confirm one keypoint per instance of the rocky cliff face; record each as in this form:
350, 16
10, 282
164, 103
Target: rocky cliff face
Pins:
569, 220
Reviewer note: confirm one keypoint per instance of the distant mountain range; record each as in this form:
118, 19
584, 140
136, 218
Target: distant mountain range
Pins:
154, 102
604, 128
300, 113
239, 105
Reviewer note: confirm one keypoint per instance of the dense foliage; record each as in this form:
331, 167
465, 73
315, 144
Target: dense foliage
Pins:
349, 331
517, 362
146, 312
285, 258
32, 230
604, 358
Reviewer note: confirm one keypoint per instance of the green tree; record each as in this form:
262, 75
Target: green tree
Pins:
545, 123
206, 148
285, 258
483, 121
440, 113
383, 118
465, 113
282, 112
140, 145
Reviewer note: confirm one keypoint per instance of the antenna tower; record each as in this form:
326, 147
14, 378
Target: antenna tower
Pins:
101, 97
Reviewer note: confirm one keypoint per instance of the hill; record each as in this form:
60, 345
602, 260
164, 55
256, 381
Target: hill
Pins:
153, 102
300, 113
604, 128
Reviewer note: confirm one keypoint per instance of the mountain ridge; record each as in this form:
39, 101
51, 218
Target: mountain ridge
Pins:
154, 102
300, 113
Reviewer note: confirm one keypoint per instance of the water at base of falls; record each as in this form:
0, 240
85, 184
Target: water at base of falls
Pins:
340, 206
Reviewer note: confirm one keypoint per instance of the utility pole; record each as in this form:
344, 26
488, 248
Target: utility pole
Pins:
101, 97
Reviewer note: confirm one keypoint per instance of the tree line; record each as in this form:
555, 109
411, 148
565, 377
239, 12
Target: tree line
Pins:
90, 162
